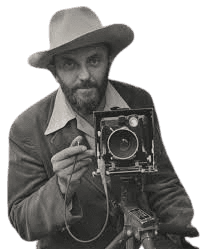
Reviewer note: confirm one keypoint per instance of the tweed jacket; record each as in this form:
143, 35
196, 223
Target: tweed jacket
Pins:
35, 203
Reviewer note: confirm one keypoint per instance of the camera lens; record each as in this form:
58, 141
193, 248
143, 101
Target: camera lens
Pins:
123, 144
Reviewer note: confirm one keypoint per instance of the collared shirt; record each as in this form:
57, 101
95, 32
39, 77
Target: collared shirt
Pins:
63, 113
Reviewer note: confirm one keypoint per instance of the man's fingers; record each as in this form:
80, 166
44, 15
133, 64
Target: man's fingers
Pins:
68, 152
59, 165
85, 154
77, 175
78, 166
77, 140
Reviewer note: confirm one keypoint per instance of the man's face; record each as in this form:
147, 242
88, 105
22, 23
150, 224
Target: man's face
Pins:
83, 76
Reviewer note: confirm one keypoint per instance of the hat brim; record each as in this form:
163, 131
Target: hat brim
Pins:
117, 36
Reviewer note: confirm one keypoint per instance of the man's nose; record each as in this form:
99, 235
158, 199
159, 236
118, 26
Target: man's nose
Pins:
84, 73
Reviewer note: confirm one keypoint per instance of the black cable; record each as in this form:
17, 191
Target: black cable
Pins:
65, 212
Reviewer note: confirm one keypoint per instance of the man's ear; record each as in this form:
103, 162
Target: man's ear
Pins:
111, 60
56, 78
52, 69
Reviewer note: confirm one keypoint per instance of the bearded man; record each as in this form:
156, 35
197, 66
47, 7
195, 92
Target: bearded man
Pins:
43, 138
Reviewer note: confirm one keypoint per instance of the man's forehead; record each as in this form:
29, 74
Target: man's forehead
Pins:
86, 51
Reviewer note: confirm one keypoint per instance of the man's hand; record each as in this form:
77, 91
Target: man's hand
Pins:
63, 165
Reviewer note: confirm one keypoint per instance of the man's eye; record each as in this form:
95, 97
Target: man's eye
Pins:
68, 65
94, 61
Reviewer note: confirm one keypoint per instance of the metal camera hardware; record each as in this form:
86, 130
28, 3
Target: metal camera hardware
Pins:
142, 217
124, 140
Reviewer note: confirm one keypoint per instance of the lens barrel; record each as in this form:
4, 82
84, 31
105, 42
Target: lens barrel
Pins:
122, 144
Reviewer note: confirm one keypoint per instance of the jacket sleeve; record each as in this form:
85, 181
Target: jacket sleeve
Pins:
35, 203
166, 194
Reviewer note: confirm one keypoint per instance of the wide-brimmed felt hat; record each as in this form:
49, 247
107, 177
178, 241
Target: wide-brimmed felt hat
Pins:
74, 28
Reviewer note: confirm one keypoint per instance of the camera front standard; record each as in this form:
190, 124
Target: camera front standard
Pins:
124, 140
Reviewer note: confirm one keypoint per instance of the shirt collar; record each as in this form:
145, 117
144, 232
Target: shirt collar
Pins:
63, 112
113, 99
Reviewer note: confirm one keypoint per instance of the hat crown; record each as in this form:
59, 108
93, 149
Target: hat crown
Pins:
70, 24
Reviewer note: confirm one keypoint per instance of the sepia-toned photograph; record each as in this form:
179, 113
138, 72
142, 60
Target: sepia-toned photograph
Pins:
101, 121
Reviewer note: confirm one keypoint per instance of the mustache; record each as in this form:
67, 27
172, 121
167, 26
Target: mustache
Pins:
85, 85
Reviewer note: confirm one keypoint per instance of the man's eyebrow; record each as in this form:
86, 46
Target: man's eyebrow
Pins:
96, 54
66, 56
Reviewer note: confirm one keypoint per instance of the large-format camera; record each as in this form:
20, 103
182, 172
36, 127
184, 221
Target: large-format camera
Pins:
124, 140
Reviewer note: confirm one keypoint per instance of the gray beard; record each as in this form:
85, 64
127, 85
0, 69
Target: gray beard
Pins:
85, 106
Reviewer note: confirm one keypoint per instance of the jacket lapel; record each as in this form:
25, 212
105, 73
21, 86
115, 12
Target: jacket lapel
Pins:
62, 138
